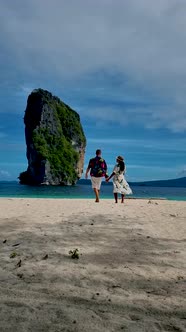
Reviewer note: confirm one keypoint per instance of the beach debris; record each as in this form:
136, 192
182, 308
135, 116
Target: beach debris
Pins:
180, 277
20, 275
116, 286
45, 257
13, 254
74, 253
5, 241
173, 215
19, 263
135, 317
16, 244
149, 202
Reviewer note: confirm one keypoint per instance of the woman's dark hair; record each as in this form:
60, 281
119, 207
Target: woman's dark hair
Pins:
121, 165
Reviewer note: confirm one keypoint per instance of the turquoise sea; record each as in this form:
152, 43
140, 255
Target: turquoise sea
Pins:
81, 190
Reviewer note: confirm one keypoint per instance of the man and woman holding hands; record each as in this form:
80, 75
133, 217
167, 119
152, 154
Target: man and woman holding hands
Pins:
98, 168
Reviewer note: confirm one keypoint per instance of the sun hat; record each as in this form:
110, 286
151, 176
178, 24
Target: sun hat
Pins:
120, 158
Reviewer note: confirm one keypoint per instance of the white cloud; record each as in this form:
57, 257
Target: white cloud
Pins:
24, 90
4, 174
63, 41
182, 172
156, 144
151, 117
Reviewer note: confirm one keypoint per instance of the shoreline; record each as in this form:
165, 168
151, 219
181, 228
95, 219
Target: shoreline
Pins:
86, 192
85, 198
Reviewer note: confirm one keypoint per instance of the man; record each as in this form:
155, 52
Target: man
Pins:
98, 168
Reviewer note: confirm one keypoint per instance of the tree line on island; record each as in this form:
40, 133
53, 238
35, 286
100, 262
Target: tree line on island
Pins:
55, 141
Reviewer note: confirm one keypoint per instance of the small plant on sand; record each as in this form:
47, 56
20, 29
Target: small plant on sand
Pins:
13, 254
74, 253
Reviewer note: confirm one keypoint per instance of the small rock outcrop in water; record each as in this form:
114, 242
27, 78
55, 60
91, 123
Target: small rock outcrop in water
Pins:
55, 141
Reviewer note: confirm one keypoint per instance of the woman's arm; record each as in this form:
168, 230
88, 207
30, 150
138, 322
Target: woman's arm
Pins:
107, 180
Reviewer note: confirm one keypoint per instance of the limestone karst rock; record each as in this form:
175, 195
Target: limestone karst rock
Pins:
55, 141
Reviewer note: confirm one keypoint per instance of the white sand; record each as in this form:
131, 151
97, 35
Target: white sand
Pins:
130, 275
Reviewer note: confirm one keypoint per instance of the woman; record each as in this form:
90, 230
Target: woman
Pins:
120, 185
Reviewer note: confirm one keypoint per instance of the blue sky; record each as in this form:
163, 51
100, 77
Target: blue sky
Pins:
121, 64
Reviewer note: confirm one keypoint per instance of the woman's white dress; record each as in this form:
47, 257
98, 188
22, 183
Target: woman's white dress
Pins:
120, 185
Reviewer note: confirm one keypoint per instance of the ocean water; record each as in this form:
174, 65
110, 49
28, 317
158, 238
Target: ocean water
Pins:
14, 189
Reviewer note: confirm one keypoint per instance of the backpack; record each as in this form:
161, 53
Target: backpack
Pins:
98, 167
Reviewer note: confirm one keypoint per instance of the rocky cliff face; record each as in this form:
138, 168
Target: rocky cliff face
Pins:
55, 141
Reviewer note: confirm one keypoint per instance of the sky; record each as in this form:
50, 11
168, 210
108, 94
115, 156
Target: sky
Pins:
121, 64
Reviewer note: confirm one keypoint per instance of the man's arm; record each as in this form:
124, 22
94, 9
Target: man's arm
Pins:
88, 168
87, 171
107, 179
106, 172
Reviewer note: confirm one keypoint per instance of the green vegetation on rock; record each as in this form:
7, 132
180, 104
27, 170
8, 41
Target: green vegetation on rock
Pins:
55, 134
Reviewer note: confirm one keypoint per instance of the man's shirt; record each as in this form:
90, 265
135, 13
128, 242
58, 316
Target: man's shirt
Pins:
98, 167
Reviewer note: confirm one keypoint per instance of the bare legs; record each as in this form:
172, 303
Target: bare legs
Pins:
116, 197
97, 195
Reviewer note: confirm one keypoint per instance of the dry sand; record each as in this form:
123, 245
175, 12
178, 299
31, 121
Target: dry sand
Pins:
130, 275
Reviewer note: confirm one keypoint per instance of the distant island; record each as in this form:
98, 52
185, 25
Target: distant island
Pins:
55, 141
179, 183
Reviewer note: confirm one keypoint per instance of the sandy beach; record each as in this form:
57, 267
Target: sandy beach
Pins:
130, 275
